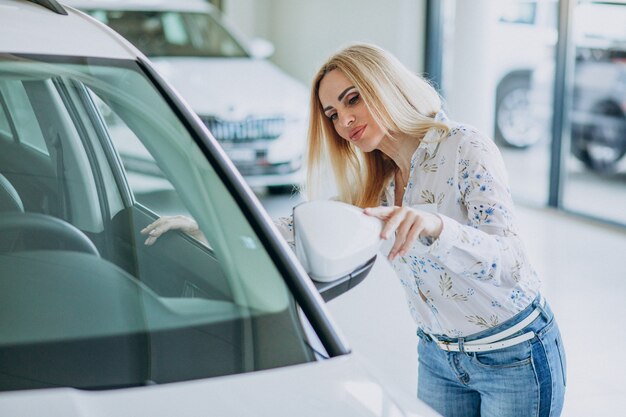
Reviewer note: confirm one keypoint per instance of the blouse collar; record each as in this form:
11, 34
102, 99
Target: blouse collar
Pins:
430, 141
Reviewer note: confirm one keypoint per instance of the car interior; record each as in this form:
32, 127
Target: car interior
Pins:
89, 305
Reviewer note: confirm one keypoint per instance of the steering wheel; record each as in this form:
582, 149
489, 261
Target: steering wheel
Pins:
42, 231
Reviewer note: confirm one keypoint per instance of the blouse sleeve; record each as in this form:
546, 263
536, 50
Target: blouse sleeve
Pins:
285, 227
488, 247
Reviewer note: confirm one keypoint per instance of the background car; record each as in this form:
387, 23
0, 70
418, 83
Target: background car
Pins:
526, 36
599, 97
523, 104
255, 110
94, 321
598, 100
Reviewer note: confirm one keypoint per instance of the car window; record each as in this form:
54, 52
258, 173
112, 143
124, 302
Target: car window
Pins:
518, 12
24, 122
6, 132
172, 33
85, 302
148, 184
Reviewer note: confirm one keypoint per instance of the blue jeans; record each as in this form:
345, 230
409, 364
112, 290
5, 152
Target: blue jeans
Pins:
527, 379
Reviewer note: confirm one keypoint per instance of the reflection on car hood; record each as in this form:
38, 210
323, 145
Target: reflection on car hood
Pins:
234, 88
336, 387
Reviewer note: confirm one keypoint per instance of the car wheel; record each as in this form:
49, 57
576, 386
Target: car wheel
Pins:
600, 146
514, 124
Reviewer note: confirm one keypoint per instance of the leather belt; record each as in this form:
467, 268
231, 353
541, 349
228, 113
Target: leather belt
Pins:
495, 341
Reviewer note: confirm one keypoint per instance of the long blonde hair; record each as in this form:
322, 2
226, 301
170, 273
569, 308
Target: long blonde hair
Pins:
397, 99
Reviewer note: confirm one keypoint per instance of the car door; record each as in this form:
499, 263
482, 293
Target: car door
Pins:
190, 267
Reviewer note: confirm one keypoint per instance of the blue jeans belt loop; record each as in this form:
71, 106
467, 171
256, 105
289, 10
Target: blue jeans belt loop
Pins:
496, 341
461, 344
540, 303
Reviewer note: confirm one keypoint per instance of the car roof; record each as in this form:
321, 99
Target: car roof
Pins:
30, 28
152, 5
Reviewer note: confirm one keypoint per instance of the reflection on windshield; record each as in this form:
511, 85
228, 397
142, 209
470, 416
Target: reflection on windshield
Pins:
85, 303
173, 33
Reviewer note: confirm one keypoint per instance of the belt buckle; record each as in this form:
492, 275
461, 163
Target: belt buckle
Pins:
446, 344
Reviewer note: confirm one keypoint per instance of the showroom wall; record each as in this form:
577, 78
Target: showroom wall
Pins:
306, 32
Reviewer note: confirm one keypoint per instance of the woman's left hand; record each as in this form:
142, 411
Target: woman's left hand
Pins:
166, 223
408, 223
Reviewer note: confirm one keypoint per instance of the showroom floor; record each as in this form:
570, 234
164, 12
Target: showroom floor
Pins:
584, 279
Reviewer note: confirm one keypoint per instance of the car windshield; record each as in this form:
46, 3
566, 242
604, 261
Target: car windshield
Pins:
166, 33
91, 153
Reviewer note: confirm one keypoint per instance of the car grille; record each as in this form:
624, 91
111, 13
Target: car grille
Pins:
247, 130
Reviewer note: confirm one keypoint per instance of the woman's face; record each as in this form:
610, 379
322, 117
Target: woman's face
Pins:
343, 105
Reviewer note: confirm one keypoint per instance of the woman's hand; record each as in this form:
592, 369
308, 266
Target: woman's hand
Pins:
409, 224
167, 223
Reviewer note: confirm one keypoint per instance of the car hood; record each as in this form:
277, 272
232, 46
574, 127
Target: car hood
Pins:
234, 88
337, 387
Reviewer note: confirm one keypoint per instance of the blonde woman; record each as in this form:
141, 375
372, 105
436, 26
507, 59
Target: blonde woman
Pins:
488, 342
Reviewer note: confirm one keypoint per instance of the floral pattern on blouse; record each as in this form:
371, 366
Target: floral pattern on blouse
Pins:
285, 227
476, 275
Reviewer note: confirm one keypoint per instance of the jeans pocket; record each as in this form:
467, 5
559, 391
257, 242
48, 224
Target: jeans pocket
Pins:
510, 357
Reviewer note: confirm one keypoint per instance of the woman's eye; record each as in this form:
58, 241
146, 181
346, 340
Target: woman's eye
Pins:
354, 99
332, 117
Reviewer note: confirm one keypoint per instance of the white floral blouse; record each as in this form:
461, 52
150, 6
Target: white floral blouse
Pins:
476, 274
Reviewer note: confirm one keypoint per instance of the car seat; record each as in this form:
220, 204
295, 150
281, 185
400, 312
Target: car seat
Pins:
9, 198
37, 230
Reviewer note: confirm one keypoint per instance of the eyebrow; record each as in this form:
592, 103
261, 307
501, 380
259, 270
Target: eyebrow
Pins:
340, 97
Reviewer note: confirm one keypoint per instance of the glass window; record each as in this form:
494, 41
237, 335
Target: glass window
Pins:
173, 33
498, 76
518, 12
147, 182
22, 114
6, 132
596, 167
85, 302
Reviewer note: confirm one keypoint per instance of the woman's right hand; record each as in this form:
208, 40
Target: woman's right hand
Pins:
408, 225
167, 223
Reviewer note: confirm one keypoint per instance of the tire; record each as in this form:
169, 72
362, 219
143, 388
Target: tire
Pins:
514, 124
600, 146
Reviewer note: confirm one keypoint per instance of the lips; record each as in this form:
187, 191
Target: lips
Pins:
357, 132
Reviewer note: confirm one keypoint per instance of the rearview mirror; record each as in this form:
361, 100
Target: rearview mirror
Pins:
336, 244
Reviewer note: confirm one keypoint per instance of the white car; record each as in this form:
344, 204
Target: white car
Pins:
94, 322
256, 111
524, 39
598, 86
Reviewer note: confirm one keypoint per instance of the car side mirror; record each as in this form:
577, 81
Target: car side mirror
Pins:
261, 48
336, 243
